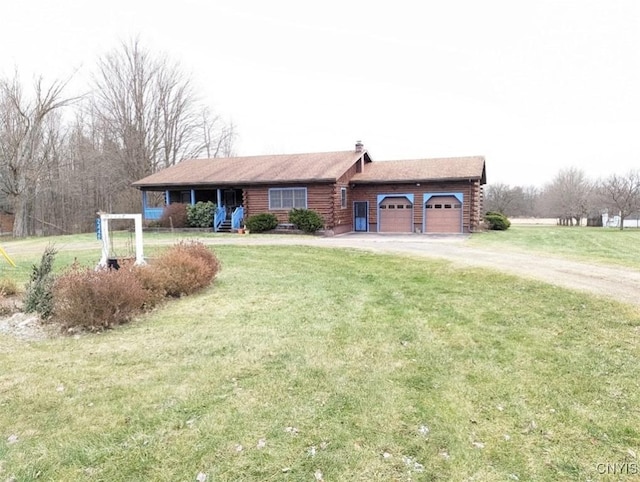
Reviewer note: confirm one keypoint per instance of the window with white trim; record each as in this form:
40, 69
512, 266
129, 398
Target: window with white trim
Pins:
288, 198
343, 197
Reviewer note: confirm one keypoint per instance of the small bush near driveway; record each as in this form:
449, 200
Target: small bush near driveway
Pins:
497, 221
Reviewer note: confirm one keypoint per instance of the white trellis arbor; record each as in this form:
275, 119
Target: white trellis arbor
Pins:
106, 241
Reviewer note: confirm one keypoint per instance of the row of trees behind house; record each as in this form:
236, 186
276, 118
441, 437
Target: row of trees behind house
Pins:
63, 158
570, 197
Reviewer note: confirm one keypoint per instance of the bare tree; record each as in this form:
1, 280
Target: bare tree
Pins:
78, 180
498, 197
26, 144
622, 192
511, 201
151, 112
570, 196
218, 136
151, 116
530, 201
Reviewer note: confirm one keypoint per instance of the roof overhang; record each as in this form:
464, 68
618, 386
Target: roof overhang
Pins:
413, 181
229, 184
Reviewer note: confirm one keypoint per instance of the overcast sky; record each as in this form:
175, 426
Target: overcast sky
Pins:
532, 85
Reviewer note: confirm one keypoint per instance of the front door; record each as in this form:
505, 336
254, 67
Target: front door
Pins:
231, 199
360, 209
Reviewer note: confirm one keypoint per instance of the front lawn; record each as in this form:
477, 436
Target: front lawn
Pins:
339, 365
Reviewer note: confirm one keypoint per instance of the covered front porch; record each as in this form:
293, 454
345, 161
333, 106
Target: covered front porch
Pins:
229, 211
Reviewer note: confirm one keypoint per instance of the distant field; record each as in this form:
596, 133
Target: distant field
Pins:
628, 223
603, 245
533, 221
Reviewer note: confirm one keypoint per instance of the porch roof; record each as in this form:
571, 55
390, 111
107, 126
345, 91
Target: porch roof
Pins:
243, 171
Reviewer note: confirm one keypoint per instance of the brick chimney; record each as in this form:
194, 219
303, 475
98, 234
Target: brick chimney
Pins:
359, 146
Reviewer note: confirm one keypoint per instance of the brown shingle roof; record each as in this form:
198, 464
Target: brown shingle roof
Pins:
281, 168
451, 168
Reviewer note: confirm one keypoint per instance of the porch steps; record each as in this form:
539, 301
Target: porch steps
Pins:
225, 227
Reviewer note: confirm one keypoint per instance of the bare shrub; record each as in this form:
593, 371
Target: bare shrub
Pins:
183, 269
153, 283
174, 215
97, 299
8, 287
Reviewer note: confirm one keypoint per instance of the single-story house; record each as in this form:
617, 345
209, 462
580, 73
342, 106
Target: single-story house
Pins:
347, 188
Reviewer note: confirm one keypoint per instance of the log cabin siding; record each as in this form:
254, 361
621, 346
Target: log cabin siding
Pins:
324, 198
320, 198
478, 206
343, 217
469, 189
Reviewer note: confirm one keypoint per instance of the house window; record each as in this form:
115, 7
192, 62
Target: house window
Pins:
343, 197
288, 198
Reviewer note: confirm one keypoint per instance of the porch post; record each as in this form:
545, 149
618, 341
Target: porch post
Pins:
193, 197
144, 202
167, 198
219, 197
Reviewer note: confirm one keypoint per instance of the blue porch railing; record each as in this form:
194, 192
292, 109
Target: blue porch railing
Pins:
218, 217
236, 218
153, 213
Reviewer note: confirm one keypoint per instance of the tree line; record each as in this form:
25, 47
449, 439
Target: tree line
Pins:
64, 158
571, 197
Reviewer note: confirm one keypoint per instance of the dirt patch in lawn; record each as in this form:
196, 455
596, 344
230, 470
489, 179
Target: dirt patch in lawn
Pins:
23, 326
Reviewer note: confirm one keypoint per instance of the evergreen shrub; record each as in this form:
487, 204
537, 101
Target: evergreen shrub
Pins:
306, 220
259, 223
39, 290
200, 214
497, 221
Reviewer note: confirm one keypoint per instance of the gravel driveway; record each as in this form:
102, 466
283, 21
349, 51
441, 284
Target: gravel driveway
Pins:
611, 281
616, 282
